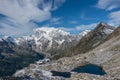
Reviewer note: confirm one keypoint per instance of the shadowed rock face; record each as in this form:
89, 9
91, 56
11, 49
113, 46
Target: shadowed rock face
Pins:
114, 34
93, 38
13, 57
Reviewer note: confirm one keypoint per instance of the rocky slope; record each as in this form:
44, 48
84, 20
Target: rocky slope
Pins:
89, 41
92, 39
108, 54
43, 71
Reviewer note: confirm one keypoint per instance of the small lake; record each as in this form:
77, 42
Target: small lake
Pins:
61, 74
89, 68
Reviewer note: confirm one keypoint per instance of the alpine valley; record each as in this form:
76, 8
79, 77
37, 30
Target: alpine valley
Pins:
16, 53
53, 54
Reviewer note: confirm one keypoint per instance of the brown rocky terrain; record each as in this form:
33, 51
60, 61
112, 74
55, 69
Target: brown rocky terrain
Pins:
93, 38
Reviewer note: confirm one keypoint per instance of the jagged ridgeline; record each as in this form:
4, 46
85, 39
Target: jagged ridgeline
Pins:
88, 42
94, 38
51, 41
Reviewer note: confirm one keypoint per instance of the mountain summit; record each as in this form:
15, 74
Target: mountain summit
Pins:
93, 38
104, 28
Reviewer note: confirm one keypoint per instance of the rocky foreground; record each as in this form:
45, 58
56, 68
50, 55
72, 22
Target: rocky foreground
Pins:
43, 71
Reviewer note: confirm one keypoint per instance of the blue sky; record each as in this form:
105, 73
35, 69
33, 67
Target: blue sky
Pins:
20, 17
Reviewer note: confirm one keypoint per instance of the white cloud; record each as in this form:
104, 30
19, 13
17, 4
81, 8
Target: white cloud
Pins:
22, 13
10, 27
114, 18
79, 28
55, 20
73, 22
88, 27
108, 4
69, 29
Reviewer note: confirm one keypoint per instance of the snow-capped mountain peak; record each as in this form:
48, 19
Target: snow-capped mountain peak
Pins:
53, 32
8, 39
51, 37
47, 38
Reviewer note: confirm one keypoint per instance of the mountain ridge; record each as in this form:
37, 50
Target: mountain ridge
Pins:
45, 39
95, 37
21, 47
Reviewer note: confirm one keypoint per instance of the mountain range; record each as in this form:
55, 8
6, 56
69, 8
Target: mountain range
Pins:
20, 52
88, 42
99, 46
46, 40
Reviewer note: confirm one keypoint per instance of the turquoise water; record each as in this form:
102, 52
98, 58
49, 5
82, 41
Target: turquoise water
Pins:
89, 68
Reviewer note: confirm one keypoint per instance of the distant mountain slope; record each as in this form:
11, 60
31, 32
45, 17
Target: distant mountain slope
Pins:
94, 38
48, 40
